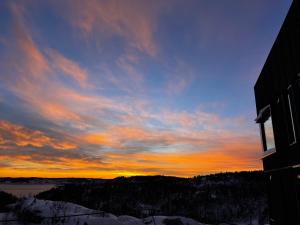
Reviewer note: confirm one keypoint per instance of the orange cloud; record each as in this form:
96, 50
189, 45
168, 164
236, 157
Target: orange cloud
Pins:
2, 141
31, 81
56, 111
99, 139
21, 136
241, 154
35, 81
63, 145
130, 133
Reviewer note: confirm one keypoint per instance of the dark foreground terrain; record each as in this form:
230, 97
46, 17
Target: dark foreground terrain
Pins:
212, 199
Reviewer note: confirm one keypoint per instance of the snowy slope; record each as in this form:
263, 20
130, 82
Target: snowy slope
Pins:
54, 211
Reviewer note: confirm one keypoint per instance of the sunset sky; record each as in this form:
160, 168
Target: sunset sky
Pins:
120, 88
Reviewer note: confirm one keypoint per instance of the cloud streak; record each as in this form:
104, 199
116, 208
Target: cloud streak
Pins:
68, 67
124, 107
19, 136
120, 19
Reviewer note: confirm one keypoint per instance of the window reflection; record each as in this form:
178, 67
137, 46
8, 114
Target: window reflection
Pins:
269, 135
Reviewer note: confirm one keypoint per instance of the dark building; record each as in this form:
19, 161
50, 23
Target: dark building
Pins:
277, 93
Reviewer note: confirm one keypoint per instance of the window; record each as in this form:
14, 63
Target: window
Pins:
266, 129
269, 135
290, 116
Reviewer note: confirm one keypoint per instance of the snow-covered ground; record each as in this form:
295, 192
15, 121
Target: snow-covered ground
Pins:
53, 212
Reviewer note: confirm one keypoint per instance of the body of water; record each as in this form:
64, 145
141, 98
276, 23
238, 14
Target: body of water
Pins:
25, 190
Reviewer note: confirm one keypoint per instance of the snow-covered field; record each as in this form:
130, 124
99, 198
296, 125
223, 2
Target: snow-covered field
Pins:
54, 212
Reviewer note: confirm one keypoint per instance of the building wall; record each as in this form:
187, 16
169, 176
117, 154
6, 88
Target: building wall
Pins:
282, 167
281, 70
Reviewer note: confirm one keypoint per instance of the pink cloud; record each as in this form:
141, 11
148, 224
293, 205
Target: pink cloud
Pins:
68, 67
33, 60
119, 18
34, 79
180, 76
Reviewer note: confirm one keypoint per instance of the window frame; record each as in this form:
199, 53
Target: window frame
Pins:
263, 138
291, 115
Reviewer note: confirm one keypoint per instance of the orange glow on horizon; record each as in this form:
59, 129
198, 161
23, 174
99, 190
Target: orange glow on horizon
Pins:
180, 164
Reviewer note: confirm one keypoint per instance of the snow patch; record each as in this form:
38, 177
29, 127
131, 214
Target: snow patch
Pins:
58, 212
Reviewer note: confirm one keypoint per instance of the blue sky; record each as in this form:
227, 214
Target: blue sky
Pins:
110, 88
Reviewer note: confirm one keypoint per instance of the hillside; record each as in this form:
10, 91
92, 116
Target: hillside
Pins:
213, 199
